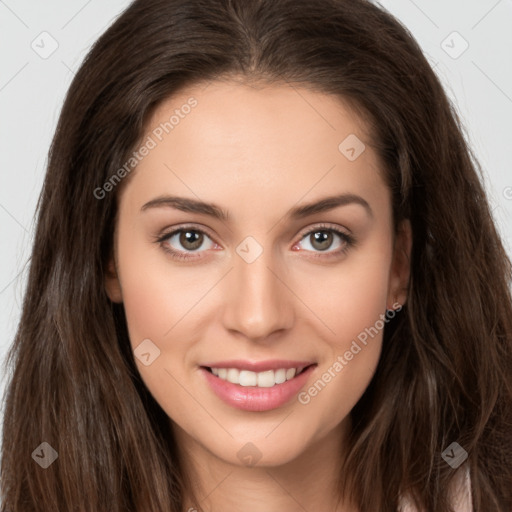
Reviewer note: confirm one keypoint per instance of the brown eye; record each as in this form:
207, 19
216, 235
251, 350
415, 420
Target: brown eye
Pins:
190, 239
186, 240
321, 240
325, 239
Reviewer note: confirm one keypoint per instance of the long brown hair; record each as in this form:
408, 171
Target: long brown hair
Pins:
446, 365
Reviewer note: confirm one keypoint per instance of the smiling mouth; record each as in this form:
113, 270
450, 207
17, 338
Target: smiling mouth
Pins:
265, 379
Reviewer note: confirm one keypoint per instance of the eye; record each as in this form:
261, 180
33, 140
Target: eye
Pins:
180, 242
323, 238
188, 242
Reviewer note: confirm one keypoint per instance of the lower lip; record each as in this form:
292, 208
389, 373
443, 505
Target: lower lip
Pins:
253, 398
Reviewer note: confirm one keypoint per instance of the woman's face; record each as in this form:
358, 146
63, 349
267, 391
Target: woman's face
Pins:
264, 284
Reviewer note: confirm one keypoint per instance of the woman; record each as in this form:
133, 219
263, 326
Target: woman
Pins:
338, 334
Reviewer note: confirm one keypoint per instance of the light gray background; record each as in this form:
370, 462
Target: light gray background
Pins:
32, 89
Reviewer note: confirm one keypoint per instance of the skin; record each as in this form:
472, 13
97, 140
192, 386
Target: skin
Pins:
257, 152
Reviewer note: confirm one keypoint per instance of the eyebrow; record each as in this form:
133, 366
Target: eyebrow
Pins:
190, 205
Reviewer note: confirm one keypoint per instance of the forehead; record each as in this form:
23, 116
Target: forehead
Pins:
235, 117
258, 142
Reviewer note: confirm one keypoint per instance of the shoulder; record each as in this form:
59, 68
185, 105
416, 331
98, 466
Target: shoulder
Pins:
460, 495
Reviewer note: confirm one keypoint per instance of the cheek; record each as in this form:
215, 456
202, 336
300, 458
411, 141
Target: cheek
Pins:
156, 296
352, 303
351, 296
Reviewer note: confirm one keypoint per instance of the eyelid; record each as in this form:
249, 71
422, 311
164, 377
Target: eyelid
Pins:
165, 234
324, 226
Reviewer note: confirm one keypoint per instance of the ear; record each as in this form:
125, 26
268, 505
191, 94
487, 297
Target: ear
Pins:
112, 284
401, 266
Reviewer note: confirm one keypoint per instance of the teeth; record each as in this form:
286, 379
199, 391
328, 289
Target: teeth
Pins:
280, 376
290, 373
247, 378
266, 379
233, 376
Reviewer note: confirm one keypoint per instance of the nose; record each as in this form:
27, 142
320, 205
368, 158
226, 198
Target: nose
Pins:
258, 302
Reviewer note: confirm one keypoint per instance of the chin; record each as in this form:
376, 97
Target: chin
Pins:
261, 451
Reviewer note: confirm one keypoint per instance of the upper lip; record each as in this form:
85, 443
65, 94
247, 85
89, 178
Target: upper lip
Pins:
259, 366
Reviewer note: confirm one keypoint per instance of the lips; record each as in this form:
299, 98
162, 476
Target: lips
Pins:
257, 386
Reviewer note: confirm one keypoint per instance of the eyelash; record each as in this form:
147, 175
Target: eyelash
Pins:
347, 240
